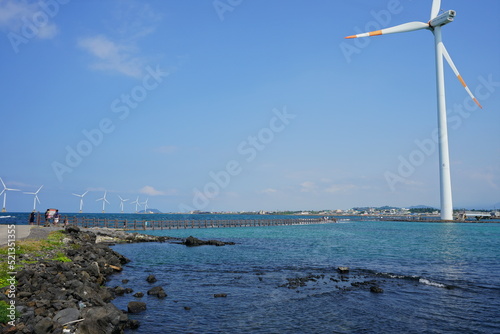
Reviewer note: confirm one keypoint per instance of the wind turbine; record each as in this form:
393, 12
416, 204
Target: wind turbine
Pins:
104, 201
145, 205
4, 192
121, 202
434, 25
81, 199
36, 197
136, 202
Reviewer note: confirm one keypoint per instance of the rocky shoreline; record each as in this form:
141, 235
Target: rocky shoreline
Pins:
69, 295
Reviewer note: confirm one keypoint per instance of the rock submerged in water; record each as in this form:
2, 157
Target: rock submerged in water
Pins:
192, 241
157, 291
151, 279
376, 289
136, 307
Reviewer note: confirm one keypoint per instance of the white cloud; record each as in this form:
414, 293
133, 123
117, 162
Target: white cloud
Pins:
308, 186
112, 56
148, 190
27, 18
269, 191
121, 53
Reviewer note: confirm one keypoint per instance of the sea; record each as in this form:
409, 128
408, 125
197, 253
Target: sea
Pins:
403, 277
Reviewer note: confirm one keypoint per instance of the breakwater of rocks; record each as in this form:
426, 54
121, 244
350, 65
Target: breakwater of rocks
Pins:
54, 296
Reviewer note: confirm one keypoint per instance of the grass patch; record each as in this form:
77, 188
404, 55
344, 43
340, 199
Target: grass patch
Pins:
61, 257
4, 312
33, 248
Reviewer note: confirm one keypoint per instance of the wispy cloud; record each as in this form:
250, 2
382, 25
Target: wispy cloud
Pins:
308, 186
112, 56
20, 17
151, 191
131, 21
269, 191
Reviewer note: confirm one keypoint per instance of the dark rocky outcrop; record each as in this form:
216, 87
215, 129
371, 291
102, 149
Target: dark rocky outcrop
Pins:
151, 279
52, 293
157, 291
376, 289
192, 241
136, 307
103, 319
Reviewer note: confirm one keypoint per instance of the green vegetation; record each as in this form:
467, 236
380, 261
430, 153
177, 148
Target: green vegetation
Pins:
61, 257
50, 248
4, 312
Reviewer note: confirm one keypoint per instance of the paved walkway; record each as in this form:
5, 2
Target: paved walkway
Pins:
26, 232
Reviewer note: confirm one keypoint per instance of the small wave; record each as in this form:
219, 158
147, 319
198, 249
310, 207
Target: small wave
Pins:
6, 217
430, 283
413, 278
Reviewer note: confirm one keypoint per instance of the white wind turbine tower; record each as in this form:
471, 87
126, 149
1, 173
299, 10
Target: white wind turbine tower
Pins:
121, 202
145, 205
81, 199
435, 24
104, 201
4, 192
36, 197
136, 202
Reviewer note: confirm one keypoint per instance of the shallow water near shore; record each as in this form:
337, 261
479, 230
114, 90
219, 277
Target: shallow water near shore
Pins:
440, 278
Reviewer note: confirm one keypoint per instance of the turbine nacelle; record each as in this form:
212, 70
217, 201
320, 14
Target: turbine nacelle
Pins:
443, 19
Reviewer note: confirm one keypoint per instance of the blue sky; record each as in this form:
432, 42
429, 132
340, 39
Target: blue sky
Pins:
243, 105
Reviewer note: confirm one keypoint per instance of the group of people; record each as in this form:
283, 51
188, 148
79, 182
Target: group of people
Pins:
51, 216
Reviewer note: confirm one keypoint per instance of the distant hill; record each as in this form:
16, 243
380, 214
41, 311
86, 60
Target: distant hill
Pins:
150, 211
421, 207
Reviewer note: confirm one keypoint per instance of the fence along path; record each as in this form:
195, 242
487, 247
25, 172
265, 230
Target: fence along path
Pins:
147, 224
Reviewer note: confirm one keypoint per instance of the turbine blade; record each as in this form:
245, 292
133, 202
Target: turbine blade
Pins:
39, 189
454, 68
38, 200
405, 27
2, 183
436, 7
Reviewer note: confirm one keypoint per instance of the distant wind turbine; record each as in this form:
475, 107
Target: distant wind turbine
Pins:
4, 192
81, 199
136, 202
145, 205
121, 202
104, 201
36, 199
435, 24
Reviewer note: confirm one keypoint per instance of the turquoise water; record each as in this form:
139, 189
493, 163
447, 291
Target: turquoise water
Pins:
436, 278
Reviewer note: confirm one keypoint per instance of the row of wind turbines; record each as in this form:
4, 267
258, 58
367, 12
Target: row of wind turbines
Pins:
122, 201
103, 199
